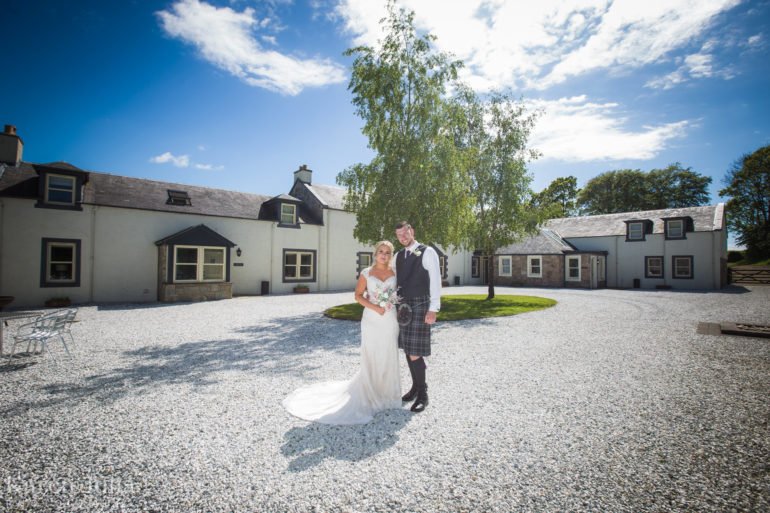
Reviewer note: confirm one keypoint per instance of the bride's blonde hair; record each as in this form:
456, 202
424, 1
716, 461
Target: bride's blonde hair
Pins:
379, 245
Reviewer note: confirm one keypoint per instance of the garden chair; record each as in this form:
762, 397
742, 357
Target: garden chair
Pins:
43, 329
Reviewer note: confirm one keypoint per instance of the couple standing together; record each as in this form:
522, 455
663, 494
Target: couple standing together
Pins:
414, 273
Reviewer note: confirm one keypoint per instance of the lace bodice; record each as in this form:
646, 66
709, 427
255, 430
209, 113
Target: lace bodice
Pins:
375, 285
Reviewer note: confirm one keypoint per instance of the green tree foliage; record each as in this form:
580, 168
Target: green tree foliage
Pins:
676, 187
399, 90
559, 199
748, 209
629, 190
613, 191
493, 140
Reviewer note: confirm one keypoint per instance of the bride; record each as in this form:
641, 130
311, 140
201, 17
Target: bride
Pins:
377, 384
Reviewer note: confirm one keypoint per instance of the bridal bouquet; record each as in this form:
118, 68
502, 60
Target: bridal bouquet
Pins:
386, 297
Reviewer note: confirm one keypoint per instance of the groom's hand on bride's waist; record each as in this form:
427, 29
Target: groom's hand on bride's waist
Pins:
430, 317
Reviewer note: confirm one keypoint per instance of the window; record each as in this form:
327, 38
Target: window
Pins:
675, 229
60, 189
506, 266
534, 267
682, 266
180, 198
573, 268
442, 262
475, 273
60, 263
298, 265
635, 231
653, 267
197, 263
288, 213
364, 261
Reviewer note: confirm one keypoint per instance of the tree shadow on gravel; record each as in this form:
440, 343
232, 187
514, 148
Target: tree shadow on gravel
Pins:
310, 445
278, 347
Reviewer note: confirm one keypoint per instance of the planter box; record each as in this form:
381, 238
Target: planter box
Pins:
301, 290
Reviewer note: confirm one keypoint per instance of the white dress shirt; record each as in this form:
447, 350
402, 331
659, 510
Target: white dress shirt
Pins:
431, 264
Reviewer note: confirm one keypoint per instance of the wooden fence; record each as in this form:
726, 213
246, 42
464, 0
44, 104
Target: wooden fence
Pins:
749, 275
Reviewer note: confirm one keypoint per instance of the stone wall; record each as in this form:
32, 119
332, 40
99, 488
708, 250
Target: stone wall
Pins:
171, 292
552, 272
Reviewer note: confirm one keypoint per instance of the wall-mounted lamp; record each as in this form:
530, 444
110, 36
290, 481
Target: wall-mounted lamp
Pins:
238, 252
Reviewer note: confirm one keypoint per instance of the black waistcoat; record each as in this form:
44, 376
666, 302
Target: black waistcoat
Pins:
412, 278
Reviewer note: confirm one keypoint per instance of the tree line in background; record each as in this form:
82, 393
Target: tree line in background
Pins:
455, 164
626, 190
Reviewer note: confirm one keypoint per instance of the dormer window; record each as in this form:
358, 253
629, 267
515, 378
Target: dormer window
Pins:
60, 189
637, 229
288, 213
677, 227
180, 198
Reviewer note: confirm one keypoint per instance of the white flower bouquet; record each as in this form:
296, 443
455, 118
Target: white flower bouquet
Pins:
385, 297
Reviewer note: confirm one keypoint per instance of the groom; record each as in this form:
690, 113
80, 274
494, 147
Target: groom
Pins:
419, 281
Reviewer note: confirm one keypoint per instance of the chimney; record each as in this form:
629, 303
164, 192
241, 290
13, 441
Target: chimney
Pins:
303, 174
11, 146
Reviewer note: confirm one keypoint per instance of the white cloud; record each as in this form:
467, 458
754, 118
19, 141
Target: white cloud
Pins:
209, 167
226, 38
574, 129
177, 160
537, 45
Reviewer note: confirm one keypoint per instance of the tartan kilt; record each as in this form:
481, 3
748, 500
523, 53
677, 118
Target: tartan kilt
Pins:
414, 338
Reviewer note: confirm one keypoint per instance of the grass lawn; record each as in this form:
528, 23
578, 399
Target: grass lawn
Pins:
467, 306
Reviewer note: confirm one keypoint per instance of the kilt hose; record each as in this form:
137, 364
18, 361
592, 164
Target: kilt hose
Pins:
414, 337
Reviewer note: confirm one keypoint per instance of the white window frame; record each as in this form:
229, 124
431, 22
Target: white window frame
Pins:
475, 267
530, 273
50, 262
501, 265
293, 213
669, 229
49, 188
631, 234
567, 268
690, 264
201, 264
298, 265
648, 273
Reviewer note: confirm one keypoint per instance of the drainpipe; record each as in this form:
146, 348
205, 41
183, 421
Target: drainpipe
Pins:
272, 253
92, 258
2, 242
617, 284
327, 224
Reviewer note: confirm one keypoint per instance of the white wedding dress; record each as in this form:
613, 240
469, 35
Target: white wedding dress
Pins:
377, 384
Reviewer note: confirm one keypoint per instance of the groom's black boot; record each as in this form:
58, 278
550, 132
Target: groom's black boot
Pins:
419, 384
410, 396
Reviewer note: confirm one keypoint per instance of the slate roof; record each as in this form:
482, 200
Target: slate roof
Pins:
544, 243
705, 219
138, 193
329, 195
553, 237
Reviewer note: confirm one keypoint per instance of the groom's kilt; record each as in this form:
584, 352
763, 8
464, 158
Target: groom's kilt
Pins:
414, 338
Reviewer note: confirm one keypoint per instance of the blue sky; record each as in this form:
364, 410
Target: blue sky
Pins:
237, 94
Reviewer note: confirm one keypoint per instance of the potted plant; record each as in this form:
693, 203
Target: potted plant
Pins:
301, 289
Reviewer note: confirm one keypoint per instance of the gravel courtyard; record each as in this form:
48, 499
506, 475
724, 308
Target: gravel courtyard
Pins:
610, 402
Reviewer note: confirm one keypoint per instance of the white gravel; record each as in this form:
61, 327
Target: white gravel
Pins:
609, 401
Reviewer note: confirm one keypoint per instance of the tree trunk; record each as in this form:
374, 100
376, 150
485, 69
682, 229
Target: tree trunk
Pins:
491, 277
